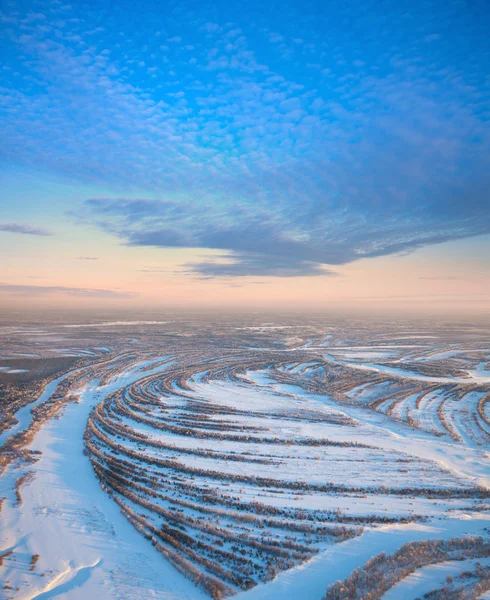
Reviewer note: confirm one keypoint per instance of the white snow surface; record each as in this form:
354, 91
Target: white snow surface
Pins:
87, 548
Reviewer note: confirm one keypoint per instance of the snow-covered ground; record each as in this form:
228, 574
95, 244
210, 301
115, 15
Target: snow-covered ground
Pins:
311, 580
268, 463
87, 549
23, 415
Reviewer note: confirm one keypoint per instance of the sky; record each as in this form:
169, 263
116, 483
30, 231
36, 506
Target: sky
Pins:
303, 154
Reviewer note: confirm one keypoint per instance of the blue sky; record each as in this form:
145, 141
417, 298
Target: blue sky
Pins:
288, 138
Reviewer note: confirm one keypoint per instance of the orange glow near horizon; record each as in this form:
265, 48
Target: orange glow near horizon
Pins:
450, 277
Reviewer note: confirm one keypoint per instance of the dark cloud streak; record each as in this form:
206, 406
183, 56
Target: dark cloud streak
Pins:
24, 229
30, 290
263, 244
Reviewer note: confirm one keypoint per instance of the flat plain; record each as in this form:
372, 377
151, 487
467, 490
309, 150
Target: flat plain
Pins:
188, 457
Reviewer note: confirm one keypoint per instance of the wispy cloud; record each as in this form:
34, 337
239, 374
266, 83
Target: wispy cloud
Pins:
262, 243
445, 278
30, 290
24, 229
155, 270
87, 258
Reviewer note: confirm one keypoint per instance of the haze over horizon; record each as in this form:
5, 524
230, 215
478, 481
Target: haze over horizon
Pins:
306, 155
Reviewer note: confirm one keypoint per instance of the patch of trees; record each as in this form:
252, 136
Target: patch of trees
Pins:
383, 571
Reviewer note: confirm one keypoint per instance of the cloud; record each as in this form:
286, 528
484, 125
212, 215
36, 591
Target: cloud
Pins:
24, 229
33, 290
445, 278
154, 270
249, 265
87, 258
260, 242
379, 147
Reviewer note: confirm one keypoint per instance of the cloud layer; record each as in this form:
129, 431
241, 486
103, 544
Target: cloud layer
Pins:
288, 139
